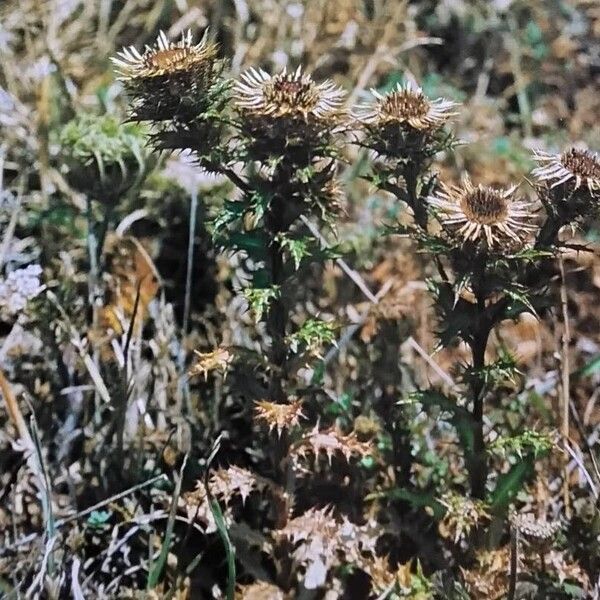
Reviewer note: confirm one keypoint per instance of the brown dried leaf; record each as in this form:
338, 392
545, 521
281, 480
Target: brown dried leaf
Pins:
330, 442
280, 416
131, 272
219, 359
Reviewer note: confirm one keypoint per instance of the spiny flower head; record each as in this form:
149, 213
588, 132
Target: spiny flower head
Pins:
574, 167
170, 79
291, 95
280, 416
407, 105
493, 217
462, 516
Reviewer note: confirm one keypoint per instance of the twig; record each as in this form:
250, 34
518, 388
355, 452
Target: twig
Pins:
76, 340
10, 229
190, 262
514, 562
565, 378
60, 522
434, 366
582, 468
352, 329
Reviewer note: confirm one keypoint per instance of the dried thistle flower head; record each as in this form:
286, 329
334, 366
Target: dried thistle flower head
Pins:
577, 168
218, 360
287, 95
538, 533
330, 442
407, 105
280, 416
170, 79
494, 217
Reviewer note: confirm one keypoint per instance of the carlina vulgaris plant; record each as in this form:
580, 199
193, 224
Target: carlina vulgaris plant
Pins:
178, 89
494, 243
402, 131
104, 160
489, 246
277, 138
286, 133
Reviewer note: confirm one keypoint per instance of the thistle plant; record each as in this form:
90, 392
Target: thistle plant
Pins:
488, 244
403, 130
277, 138
104, 160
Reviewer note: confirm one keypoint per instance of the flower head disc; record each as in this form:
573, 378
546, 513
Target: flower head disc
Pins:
170, 79
291, 95
579, 166
492, 216
407, 105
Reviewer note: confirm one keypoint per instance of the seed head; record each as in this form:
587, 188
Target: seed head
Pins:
407, 105
170, 79
577, 168
287, 95
492, 216
539, 533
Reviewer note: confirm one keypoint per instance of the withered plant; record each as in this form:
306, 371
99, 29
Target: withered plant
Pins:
488, 246
277, 138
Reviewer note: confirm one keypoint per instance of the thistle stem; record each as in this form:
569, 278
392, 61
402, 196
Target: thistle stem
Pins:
478, 471
418, 205
276, 314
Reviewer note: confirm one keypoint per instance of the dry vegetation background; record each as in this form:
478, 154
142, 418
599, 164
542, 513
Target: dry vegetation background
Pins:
106, 426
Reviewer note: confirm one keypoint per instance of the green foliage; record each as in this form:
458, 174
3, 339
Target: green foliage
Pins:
511, 483
298, 248
260, 299
312, 335
527, 442
494, 374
